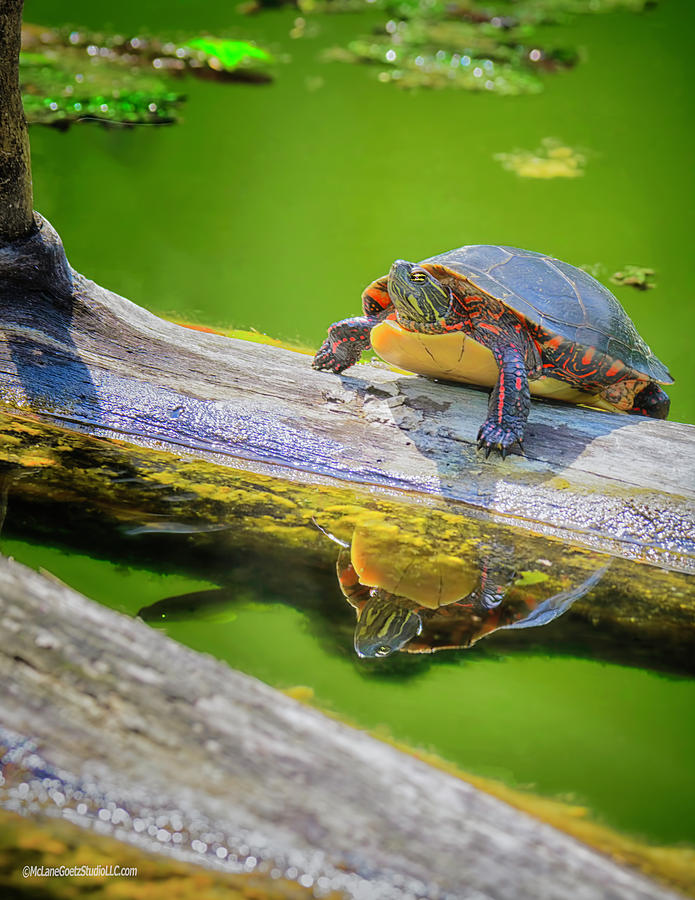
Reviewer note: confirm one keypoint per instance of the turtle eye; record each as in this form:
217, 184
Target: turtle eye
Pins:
418, 275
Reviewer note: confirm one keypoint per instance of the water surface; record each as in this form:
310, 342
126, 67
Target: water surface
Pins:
271, 207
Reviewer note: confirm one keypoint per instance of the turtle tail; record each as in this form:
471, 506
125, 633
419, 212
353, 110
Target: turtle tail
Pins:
651, 401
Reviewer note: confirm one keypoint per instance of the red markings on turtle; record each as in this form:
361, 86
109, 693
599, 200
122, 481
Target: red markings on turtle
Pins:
375, 300
348, 577
515, 303
615, 368
500, 399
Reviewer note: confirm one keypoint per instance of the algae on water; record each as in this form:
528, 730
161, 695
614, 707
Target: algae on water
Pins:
552, 159
70, 76
496, 47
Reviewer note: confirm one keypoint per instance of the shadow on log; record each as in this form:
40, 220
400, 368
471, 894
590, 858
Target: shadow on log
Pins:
84, 357
258, 536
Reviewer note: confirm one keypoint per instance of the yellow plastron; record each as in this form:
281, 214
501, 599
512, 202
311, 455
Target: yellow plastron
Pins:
456, 357
384, 557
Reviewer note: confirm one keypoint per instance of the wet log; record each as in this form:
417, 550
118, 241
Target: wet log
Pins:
109, 724
261, 536
86, 358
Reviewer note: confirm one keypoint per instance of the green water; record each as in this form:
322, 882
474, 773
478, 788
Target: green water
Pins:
616, 739
271, 207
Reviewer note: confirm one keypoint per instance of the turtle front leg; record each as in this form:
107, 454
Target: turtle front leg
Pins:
510, 402
346, 342
496, 578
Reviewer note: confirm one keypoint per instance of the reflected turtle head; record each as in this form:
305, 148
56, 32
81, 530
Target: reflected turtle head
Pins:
385, 625
418, 296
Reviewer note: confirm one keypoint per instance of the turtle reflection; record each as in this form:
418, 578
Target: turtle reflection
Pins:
409, 598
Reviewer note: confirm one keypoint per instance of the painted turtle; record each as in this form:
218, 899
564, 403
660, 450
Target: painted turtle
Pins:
419, 601
392, 592
542, 321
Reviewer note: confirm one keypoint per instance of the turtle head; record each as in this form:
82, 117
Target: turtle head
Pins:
384, 625
418, 296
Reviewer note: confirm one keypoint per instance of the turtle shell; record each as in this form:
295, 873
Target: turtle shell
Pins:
555, 295
383, 557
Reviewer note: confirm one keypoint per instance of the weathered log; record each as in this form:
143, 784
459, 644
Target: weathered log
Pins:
83, 357
109, 724
49, 843
250, 533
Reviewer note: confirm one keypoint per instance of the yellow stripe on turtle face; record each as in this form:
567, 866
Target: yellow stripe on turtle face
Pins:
379, 620
456, 357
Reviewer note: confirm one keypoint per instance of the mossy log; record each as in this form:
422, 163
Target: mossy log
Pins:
110, 724
263, 536
52, 843
86, 358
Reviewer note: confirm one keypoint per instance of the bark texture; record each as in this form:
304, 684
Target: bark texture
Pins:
112, 725
257, 536
88, 359
16, 199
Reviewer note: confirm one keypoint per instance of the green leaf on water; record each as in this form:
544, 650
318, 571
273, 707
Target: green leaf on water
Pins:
493, 46
76, 75
530, 577
231, 54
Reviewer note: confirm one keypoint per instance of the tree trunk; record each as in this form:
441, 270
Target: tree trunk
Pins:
16, 200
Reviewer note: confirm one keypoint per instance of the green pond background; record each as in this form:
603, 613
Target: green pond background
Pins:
272, 206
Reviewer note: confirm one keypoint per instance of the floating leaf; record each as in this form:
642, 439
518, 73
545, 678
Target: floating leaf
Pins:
551, 160
637, 277
417, 67
229, 54
530, 577
62, 90
468, 45
68, 76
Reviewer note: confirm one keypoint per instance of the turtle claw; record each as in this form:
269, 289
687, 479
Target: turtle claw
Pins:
333, 358
344, 345
506, 450
494, 436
